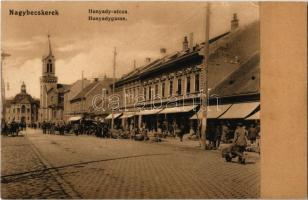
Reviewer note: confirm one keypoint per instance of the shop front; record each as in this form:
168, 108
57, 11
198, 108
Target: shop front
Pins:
117, 121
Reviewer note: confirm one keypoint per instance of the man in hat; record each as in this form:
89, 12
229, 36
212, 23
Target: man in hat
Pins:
240, 141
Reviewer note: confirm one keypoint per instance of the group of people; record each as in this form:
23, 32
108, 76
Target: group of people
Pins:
51, 128
162, 131
96, 128
12, 128
224, 132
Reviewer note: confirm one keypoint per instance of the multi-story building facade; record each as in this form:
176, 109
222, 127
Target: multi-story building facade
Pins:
22, 108
169, 88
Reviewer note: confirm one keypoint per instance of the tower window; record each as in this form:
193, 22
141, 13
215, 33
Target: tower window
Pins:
49, 67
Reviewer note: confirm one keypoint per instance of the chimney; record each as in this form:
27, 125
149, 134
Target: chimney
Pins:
163, 52
191, 41
147, 60
185, 44
234, 22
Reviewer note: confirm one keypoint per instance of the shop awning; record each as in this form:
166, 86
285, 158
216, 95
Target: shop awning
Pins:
213, 112
178, 109
240, 110
254, 116
74, 118
149, 112
115, 115
127, 115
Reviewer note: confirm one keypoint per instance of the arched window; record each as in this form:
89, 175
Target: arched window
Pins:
23, 109
50, 67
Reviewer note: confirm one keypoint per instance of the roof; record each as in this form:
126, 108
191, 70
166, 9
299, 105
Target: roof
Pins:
228, 52
8, 102
22, 98
245, 80
62, 88
166, 59
82, 94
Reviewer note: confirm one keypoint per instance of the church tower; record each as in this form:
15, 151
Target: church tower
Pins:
48, 81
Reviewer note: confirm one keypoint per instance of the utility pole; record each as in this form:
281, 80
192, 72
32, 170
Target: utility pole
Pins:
114, 66
134, 64
3, 56
204, 72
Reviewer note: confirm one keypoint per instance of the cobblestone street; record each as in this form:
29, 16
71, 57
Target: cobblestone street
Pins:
52, 166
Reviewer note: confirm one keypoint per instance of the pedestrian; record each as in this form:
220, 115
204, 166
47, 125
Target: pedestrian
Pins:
180, 131
210, 136
43, 126
218, 136
174, 128
252, 133
76, 129
224, 133
240, 142
164, 128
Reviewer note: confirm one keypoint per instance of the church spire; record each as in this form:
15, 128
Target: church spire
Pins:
50, 52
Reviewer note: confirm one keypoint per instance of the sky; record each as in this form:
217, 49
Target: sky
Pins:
82, 45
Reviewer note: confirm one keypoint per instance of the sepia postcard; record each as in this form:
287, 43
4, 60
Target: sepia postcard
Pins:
142, 100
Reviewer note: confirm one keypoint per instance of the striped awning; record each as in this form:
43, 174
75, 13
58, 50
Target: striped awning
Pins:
240, 110
74, 118
254, 116
127, 115
115, 115
213, 112
149, 112
178, 109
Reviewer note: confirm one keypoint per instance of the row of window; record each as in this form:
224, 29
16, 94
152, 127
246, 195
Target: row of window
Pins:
171, 85
23, 110
17, 118
150, 91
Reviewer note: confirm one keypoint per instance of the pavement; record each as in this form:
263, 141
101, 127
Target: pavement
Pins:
36, 165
